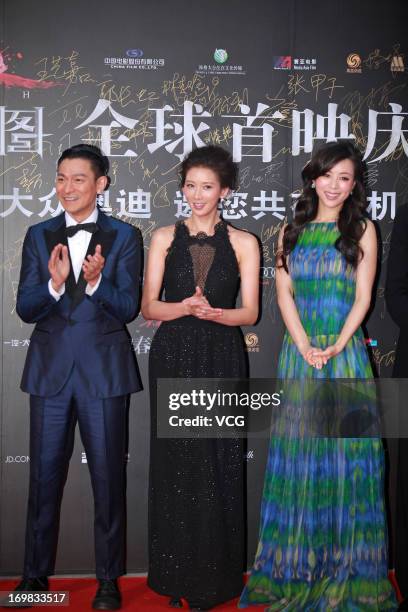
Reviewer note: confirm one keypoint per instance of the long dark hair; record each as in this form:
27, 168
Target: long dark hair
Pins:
351, 222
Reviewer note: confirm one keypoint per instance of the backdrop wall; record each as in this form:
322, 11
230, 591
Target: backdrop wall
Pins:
147, 82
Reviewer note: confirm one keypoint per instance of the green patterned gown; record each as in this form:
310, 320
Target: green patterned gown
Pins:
323, 539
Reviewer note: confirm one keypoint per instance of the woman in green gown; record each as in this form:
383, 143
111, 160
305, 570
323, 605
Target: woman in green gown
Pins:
323, 537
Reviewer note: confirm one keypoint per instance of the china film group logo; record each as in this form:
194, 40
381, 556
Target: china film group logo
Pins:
354, 63
134, 53
135, 60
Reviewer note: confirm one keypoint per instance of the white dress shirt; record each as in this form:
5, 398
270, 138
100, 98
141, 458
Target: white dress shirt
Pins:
78, 246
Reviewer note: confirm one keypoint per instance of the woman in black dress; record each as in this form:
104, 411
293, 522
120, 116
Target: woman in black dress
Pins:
196, 500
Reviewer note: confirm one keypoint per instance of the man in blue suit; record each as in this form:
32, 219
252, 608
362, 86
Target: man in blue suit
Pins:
79, 284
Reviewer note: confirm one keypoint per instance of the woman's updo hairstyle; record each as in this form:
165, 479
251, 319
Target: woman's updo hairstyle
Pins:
216, 159
99, 162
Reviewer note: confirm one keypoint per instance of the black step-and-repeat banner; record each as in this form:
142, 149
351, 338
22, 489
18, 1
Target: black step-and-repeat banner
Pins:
148, 82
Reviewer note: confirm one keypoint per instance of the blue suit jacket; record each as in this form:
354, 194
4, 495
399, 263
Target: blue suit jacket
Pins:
89, 332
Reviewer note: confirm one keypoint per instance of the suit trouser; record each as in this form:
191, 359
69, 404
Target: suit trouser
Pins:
103, 429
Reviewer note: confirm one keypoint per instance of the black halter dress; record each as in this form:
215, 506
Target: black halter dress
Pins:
196, 493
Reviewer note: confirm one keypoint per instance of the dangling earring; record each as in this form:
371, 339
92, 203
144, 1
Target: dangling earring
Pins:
225, 203
313, 185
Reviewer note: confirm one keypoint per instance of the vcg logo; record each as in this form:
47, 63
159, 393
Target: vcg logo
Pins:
134, 53
17, 459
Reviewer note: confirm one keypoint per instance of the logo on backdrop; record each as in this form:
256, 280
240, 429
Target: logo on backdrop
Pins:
17, 459
220, 56
134, 60
282, 62
397, 64
221, 67
304, 63
134, 53
287, 62
252, 342
267, 273
249, 455
354, 63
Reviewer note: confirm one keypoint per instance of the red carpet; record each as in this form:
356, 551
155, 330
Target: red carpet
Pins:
136, 595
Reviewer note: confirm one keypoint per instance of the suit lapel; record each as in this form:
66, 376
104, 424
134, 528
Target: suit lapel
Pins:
58, 236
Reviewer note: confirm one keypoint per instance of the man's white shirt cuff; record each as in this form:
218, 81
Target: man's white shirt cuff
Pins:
56, 294
91, 290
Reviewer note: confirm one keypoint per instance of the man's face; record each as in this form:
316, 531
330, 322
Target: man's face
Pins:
77, 187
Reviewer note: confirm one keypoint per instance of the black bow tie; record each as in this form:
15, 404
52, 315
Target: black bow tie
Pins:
87, 227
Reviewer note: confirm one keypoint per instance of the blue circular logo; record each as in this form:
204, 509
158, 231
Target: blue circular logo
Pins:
134, 53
